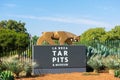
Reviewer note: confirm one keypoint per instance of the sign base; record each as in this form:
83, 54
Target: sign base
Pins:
63, 70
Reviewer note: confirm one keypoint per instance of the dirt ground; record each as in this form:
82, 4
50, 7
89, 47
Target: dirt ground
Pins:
73, 76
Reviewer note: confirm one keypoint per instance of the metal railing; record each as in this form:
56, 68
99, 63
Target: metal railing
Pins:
107, 47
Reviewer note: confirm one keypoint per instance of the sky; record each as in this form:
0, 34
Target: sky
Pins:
76, 16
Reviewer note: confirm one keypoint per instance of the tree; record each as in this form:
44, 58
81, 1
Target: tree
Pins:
13, 36
34, 39
92, 34
7, 39
22, 41
13, 25
113, 34
3, 24
11, 40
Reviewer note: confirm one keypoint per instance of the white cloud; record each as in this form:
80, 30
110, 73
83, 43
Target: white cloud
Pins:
67, 20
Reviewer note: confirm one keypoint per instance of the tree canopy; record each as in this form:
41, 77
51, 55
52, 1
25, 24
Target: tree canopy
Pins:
13, 35
113, 34
93, 34
101, 35
13, 25
34, 39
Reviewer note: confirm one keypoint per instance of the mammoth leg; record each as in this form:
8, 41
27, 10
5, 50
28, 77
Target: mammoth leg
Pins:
69, 41
40, 40
62, 41
50, 41
48, 38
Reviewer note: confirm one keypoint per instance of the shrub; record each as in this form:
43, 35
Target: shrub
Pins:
95, 62
6, 75
28, 70
28, 67
13, 64
105, 49
117, 73
111, 62
17, 65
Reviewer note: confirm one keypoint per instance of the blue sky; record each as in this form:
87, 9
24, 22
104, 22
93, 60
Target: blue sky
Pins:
75, 16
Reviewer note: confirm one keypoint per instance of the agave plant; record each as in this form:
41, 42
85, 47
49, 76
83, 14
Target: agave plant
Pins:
6, 75
13, 64
102, 49
17, 65
111, 62
28, 67
95, 62
117, 73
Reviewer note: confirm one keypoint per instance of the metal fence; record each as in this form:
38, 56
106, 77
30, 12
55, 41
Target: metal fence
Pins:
23, 54
104, 48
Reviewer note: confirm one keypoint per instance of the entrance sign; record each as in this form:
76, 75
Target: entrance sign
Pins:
59, 59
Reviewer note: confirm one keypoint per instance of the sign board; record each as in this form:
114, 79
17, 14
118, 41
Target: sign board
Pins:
59, 59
